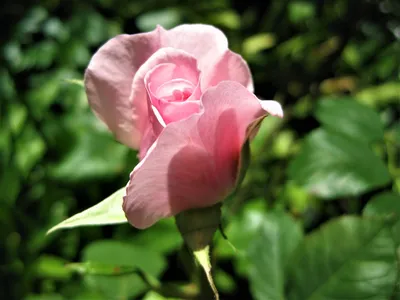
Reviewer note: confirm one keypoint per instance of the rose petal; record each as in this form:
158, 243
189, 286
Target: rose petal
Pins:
174, 88
108, 81
169, 111
161, 177
161, 80
205, 42
231, 66
187, 66
272, 107
194, 161
176, 111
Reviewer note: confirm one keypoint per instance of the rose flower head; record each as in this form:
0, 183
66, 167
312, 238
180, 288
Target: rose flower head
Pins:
185, 102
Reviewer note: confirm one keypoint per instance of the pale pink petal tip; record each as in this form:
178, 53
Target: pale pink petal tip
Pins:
272, 107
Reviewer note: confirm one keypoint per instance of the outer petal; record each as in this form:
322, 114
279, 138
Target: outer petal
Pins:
169, 179
205, 42
194, 161
272, 107
108, 81
210, 47
231, 66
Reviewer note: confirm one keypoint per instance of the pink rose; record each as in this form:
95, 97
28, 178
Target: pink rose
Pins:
184, 100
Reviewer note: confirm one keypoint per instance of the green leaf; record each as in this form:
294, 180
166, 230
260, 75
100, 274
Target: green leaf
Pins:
97, 156
269, 255
396, 134
121, 254
161, 237
7, 85
301, 11
17, 116
40, 55
55, 28
348, 258
227, 18
10, 185
348, 117
44, 94
52, 267
386, 204
242, 229
257, 43
30, 148
108, 211
224, 281
74, 53
380, 95
31, 21
332, 165
90, 27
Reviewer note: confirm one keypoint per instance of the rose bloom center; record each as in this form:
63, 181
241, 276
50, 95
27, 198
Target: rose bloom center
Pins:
176, 90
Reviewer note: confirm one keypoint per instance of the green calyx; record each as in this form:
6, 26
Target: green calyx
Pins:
197, 227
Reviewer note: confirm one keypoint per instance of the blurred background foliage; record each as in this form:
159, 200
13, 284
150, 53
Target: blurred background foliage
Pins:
316, 216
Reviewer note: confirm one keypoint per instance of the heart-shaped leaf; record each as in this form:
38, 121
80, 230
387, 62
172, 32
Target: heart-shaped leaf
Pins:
269, 255
333, 165
348, 258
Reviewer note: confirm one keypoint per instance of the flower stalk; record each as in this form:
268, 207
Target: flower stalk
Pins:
197, 227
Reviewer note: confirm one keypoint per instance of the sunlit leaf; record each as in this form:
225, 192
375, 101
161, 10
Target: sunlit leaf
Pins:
31, 21
90, 26
386, 204
270, 255
7, 86
332, 165
242, 229
347, 258
227, 18
108, 211
16, 117
75, 54
257, 43
92, 153
348, 117
300, 11
52, 267
40, 55
224, 281
56, 29
115, 253
379, 95
30, 149
162, 237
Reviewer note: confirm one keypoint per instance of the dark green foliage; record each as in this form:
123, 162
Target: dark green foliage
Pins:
317, 215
